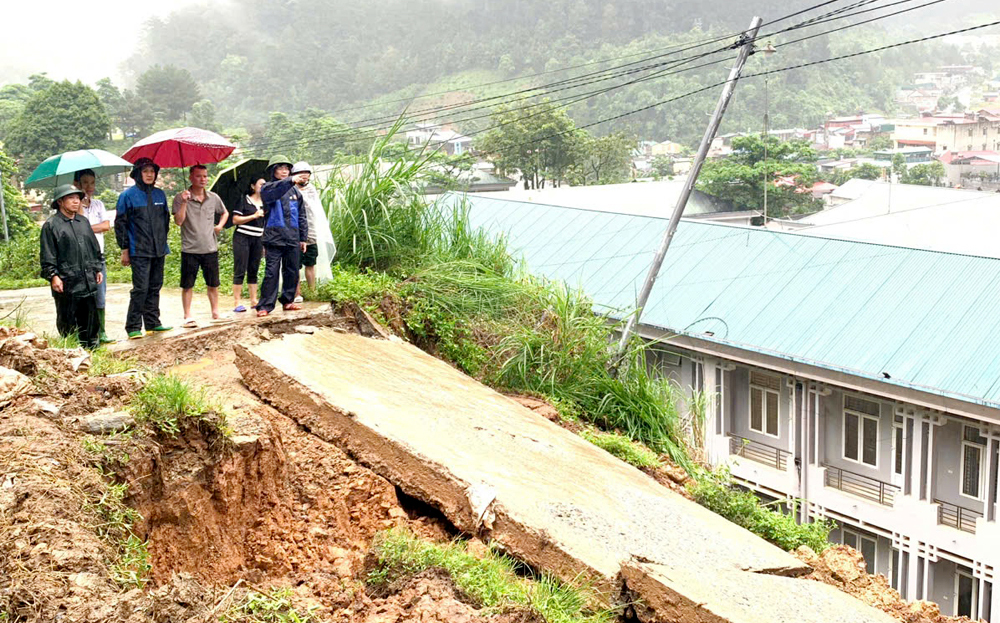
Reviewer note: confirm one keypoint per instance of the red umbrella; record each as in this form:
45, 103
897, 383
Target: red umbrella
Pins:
181, 147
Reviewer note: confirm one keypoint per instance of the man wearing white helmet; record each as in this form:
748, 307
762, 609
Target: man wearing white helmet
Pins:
316, 215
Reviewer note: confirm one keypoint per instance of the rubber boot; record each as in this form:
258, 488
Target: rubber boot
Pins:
103, 336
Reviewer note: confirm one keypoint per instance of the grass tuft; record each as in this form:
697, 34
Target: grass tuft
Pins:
166, 402
622, 447
103, 362
494, 582
131, 565
272, 607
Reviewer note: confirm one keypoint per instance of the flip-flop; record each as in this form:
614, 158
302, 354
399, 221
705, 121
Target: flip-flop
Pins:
291, 307
239, 310
190, 323
261, 313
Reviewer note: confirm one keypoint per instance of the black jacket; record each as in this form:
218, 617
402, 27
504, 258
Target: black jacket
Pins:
69, 249
142, 221
285, 223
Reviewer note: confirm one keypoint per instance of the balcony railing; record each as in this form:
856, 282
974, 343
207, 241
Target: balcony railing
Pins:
957, 517
861, 486
759, 452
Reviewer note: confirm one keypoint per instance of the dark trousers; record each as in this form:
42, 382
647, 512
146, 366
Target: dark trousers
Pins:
283, 262
78, 315
144, 302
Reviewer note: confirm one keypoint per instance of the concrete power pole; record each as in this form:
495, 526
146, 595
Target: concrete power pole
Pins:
746, 44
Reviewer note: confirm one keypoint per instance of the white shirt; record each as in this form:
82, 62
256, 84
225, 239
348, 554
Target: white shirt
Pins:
96, 214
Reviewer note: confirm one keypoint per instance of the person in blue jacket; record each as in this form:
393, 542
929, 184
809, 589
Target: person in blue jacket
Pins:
142, 222
285, 233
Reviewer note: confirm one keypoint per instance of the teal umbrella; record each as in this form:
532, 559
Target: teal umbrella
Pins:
60, 169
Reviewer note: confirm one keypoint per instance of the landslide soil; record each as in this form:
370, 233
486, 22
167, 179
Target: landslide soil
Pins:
272, 507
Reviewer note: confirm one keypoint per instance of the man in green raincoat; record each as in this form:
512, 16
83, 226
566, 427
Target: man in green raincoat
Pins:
71, 262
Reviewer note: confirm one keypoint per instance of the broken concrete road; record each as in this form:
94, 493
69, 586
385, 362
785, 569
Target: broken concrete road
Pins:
555, 501
670, 593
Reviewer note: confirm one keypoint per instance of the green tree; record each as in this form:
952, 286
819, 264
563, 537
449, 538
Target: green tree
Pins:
880, 142
864, 171
925, 174
540, 142
605, 159
135, 117
203, 115
169, 90
39, 82
112, 99
899, 166
740, 177
663, 165
63, 117
19, 222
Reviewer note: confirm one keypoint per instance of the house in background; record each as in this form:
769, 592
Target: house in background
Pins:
438, 138
860, 379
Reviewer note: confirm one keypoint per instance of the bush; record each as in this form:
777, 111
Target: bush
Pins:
715, 491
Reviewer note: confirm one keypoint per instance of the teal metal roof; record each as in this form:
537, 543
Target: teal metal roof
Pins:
930, 320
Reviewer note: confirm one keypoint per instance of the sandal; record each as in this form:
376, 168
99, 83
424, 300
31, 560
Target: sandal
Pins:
240, 309
190, 323
291, 307
261, 313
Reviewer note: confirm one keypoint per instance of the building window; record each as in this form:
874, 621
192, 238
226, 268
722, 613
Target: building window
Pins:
861, 430
897, 445
867, 545
925, 131
764, 392
966, 594
973, 453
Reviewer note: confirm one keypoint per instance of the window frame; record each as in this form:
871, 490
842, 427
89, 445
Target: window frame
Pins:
764, 390
981, 477
898, 447
859, 442
965, 572
873, 563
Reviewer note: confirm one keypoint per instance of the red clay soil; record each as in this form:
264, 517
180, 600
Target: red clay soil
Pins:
844, 568
276, 507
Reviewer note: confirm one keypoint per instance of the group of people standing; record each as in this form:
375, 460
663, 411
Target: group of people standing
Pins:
276, 220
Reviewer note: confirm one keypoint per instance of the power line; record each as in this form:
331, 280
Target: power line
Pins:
596, 62
830, 16
348, 138
783, 69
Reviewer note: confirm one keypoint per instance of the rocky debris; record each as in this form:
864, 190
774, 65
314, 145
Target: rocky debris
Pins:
305, 328
12, 385
844, 568
106, 421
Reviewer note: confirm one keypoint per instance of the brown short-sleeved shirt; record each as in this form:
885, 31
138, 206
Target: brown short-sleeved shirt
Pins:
198, 229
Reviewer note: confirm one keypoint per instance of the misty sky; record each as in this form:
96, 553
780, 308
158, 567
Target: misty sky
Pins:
73, 39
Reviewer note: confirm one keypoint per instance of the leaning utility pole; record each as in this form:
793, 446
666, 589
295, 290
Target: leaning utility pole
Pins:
745, 43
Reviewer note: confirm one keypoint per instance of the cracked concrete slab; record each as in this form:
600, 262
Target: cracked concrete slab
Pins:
671, 593
561, 504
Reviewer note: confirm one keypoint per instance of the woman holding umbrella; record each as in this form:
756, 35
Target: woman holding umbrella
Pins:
248, 246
